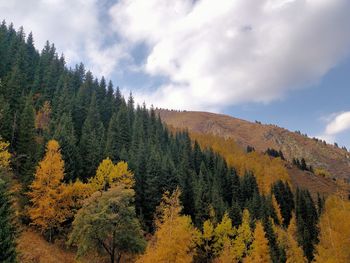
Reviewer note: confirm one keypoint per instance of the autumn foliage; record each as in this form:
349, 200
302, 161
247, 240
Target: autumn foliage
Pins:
4, 154
109, 175
52, 200
335, 232
260, 252
267, 170
175, 236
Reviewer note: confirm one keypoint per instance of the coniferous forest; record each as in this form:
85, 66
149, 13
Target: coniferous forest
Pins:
81, 163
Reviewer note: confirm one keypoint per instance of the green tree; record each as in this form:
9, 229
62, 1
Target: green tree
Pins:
26, 145
108, 222
64, 133
307, 220
92, 140
7, 229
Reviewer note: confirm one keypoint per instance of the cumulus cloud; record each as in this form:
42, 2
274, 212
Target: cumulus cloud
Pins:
337, 123
220, 53
199, 54
74, 26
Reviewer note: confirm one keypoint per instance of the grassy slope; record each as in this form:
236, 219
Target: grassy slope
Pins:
260, 136
34, 249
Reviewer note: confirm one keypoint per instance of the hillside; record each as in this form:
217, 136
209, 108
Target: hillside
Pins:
91, 177
293, 145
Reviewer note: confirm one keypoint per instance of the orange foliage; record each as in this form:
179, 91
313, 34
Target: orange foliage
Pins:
260, 251
175, 236
4, 155
109, 175
267, 170
334, 232
53, 201
42, 118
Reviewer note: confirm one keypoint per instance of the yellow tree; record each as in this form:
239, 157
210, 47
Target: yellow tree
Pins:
175, 236
74, 194
48, 211
214, 237
4, 155
277, 208
42, 118
287, 240
234, 250
260, 251
109, 174
334, 232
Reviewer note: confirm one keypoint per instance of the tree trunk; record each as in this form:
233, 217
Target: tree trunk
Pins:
119, 257
112, 256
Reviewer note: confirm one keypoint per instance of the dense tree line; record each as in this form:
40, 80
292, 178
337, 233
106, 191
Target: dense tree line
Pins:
43, 99
96, 130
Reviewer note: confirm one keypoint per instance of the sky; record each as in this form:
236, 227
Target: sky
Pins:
284, 62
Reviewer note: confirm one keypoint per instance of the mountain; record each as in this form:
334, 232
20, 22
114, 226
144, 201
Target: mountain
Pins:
334, 162
89, 168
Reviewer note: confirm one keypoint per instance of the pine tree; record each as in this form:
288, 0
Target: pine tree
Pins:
307, 219
7, 229
285, 200
112, 149
91, 142
26, 144
64, 133
5, 118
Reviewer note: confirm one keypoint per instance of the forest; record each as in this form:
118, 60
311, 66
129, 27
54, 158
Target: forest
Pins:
82, 164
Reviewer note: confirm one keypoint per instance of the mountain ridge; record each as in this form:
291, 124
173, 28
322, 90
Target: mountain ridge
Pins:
323, 156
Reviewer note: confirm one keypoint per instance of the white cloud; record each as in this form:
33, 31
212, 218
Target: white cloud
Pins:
220, 53
213, 53
336, 124
73, 26
339, 124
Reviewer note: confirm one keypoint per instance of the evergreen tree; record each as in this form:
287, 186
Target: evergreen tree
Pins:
307, 219
91, 142
65, 135
26, 145
7, 229
285, 200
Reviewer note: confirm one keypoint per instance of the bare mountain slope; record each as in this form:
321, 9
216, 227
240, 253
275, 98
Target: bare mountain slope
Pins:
293, 145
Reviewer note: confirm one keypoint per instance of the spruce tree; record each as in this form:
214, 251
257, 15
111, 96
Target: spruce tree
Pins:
7, 230
26, 146
307, 219
92, 141
65, 135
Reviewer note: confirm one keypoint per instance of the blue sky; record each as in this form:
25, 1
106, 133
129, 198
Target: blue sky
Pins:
284, 62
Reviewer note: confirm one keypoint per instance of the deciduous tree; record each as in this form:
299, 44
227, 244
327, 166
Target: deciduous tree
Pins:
109, 175
174, 239
47, 192
107, 222
334, 232
4, 155
260, 251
